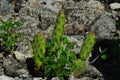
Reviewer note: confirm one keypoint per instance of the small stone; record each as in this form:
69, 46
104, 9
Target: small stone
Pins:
115, 6
22, 72
19, 56
3, 77
55, 78
37, 78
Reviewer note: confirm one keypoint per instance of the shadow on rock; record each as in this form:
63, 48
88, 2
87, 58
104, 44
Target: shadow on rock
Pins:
109, 66
30, 66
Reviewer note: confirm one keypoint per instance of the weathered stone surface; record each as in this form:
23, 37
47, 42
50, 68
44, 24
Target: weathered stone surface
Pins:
82, 12
104, 27
12, 67
19, 56
5, 7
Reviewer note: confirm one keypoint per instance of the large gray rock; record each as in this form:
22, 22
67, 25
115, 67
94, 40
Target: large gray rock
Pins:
5, 7
83, 13
15, 68
104, 27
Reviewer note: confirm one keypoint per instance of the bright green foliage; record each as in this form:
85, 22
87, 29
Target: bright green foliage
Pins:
38, 46
60, 63
80, 66
59, 27
87, 46
55, 56
9, 38
104, 56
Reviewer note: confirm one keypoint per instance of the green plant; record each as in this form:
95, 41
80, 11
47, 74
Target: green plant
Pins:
87, 47
54, 57
8, 37
38, 46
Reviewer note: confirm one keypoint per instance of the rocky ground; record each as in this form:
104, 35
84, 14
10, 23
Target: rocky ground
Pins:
82, 16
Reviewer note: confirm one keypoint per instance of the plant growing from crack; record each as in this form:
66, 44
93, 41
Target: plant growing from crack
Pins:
54, 58
8, 37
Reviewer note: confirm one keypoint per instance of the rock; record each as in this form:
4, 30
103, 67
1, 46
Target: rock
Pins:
115, 5
74, 29
1, 69
17, 5
1, 57
83, 13
91, 70
55, 78
19, 56
104, 27
45, 16
12, 67
6, 7
37, 78
76, 42
3, 77
22, 73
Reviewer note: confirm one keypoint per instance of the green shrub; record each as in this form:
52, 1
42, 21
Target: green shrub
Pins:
8, 37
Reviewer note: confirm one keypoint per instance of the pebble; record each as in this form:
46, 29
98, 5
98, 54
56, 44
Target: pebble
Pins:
115, 5
19, 56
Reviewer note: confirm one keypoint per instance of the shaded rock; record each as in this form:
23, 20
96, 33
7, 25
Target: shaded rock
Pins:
104, 27
1, 69
91, 70
74, 29
1, 57
17, 4
13, 68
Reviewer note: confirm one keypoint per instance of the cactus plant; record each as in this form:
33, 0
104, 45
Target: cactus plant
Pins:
38, 46
59, 27
58, 30
87, 46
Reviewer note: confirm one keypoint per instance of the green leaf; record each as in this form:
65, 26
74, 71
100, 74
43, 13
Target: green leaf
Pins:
19, 34
2, 35
104, 56
17, 23
65, 40
10, 24
2, 27
70, 45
